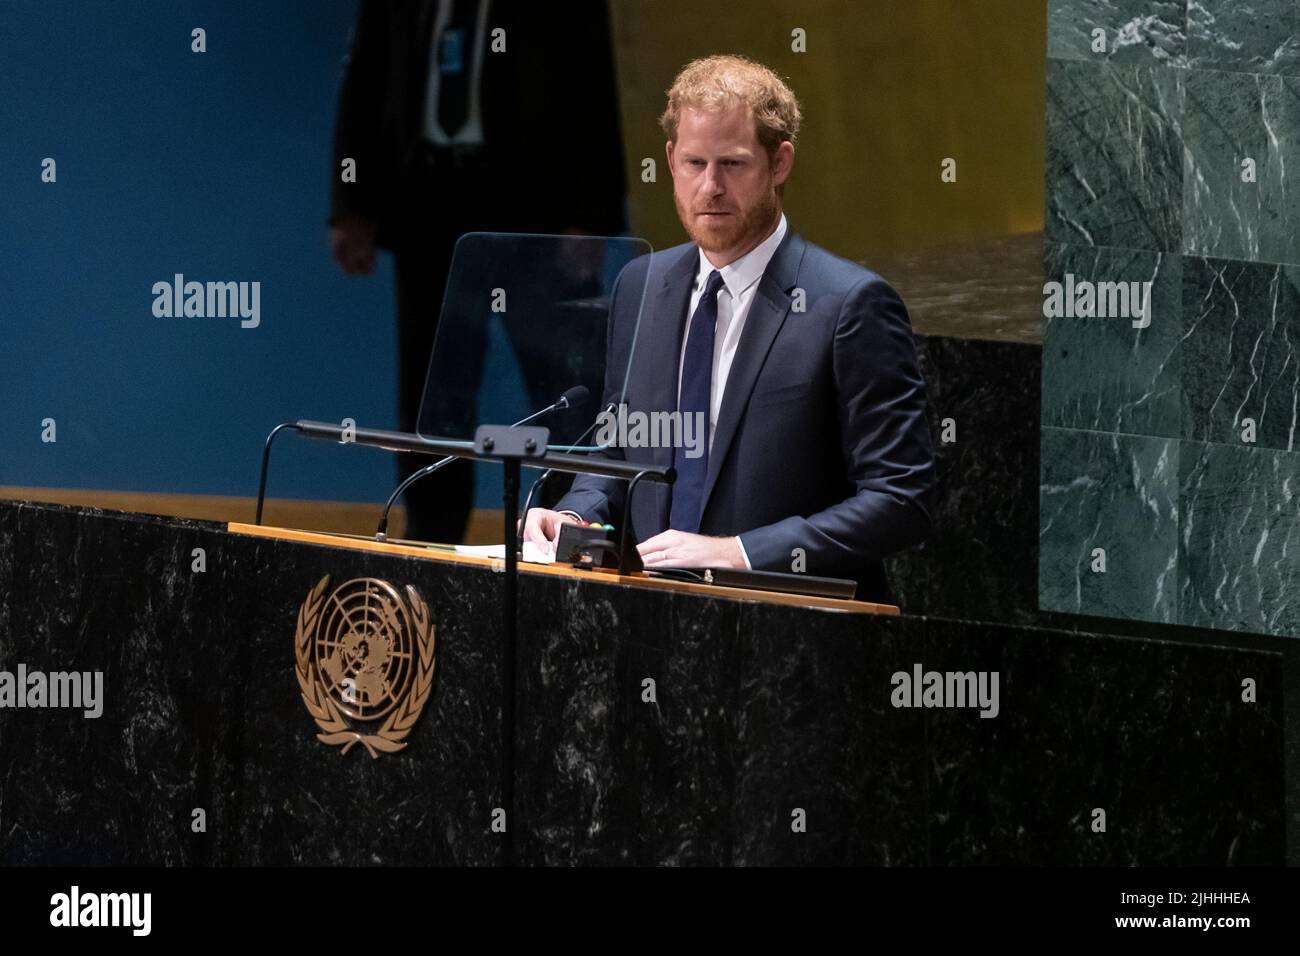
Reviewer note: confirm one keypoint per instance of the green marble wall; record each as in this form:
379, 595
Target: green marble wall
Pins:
1169, 440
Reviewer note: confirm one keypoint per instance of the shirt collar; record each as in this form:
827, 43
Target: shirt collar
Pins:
744, 272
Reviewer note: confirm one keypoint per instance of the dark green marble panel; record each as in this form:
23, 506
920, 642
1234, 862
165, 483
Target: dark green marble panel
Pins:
1102, 373
1239, 561
1258, 36
1114, 155
1240, 358
1118, 493
1137, 31
1177, 441
1229, 118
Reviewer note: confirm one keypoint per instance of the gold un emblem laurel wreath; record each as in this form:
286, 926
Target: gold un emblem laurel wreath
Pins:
364, 656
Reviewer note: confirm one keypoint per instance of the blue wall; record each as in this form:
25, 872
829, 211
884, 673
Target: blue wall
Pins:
215, 165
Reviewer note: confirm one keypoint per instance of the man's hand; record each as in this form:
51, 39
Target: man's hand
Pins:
352, 244
542, 527
678, 549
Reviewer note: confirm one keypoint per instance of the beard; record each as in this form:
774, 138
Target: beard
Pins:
747, 228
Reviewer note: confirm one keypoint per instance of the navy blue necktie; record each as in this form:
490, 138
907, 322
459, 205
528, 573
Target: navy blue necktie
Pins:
693, 400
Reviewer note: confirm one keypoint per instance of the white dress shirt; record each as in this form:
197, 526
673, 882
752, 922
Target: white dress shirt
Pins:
739, 286
472, 132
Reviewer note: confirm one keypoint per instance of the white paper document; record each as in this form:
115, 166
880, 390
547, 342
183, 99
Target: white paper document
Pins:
533, 553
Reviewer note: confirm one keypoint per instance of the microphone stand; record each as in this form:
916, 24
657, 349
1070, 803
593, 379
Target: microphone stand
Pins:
541, 479
381, 533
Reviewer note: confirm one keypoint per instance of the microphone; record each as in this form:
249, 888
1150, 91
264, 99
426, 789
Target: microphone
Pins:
572, 398
541, 479
575, 397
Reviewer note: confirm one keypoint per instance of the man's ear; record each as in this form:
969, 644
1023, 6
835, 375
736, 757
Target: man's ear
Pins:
668, 148
782, 162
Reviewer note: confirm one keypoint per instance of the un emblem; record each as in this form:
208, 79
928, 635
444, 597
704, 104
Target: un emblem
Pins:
364, 656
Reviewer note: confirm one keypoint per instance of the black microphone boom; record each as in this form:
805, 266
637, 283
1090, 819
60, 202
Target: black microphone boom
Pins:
573, 398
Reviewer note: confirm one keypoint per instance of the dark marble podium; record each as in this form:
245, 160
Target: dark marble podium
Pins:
762, 710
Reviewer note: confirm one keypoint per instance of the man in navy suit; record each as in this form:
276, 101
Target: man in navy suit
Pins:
800, 366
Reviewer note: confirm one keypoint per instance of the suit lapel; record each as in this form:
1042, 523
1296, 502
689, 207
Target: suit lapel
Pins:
767, 314
659, 339
656, 354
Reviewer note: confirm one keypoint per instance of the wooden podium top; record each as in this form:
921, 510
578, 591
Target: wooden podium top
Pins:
595, 575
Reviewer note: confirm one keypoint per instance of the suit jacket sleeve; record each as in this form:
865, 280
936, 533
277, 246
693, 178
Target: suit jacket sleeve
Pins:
357, 126
885, 442
591, 496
